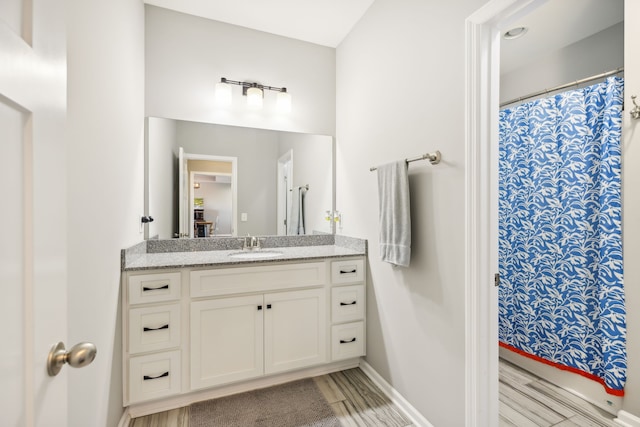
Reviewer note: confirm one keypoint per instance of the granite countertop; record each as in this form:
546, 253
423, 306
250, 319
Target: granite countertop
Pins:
222, 258
157, 255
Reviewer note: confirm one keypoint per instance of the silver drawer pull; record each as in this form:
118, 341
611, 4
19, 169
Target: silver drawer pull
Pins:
348, 341
147, 377
354, 270
145, 329
147, 289
348, 303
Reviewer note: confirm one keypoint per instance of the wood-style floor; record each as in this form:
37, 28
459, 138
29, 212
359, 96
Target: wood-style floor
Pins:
529, 401
356, 401
525, 401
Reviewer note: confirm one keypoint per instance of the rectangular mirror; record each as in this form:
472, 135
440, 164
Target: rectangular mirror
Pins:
207, 180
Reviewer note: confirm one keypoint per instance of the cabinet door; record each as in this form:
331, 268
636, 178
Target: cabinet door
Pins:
226, 340
295, 329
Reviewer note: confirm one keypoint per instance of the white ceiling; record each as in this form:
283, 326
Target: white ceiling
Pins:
557, 24
554, 25
325, 22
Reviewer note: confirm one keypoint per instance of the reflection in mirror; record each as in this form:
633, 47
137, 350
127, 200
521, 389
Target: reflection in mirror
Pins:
215, 217
275, 170
208, 195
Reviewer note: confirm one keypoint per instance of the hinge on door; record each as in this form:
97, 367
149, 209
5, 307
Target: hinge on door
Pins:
496, 279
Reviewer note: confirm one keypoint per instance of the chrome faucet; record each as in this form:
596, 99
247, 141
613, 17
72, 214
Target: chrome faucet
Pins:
251, 242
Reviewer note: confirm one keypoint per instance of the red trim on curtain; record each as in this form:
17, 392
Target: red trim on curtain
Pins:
588, 375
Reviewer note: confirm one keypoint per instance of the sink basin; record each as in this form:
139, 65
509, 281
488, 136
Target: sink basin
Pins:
255, 255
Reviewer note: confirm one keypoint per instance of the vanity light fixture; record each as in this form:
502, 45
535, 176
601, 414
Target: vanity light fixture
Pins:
283, 101
223, 94
254, 96
254, 93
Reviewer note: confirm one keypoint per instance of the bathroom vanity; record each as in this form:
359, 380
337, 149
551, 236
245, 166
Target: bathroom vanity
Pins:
198, 324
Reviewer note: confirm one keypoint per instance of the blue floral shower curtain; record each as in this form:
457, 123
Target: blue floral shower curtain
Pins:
561, 299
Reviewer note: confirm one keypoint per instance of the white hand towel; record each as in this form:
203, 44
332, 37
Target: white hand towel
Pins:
395, 218
296, 216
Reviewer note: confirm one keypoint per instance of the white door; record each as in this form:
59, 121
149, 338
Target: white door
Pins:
33, 308
184, 222
226, 340
285, 184
295, 330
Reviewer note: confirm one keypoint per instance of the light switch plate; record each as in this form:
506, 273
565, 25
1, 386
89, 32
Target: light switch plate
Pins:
243, 217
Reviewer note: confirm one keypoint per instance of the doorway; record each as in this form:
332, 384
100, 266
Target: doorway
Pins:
285, 185
212, 206
483, 30
212, 171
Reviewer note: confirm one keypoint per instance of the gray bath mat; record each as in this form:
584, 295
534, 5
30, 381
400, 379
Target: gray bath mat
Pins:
294, 404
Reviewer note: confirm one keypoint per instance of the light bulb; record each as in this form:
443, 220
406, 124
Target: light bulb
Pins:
223, 94
283, 102
254, 97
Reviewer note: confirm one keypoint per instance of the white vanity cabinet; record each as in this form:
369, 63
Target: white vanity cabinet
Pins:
199, 330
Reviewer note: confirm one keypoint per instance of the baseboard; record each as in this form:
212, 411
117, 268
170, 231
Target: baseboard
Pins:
125, 420
626, 419
407, 408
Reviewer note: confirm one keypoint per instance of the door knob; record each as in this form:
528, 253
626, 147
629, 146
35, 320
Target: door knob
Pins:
78, 356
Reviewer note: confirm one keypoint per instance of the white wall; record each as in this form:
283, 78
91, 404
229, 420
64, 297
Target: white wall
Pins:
631, 206
400, 93
161, 185
105, 189
186, 56
603, 51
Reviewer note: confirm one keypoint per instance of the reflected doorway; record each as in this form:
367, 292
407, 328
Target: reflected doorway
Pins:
212, 203
208, 195
285, 185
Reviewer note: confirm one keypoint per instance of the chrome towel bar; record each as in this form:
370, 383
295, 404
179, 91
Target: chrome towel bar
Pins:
434, 158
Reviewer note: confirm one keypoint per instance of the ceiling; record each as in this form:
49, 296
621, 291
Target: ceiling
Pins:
557, 24
554, 25
325, 22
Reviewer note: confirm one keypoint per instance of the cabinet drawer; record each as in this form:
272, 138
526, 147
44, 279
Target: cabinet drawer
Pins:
146, 288
347, 271
227, 281
347, 340
347, 303
154, 376
154, 328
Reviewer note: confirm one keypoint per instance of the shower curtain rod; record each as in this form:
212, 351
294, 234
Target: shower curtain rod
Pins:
564, 86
